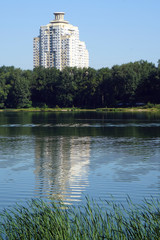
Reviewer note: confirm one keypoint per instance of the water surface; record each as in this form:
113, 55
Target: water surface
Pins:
67, 156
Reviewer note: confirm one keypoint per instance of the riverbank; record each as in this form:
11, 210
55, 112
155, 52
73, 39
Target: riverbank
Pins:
149, 107
132, 109
40, 220
129, 109
46, 110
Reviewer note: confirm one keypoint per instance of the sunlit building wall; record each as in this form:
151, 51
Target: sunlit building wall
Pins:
59, 45
36, 51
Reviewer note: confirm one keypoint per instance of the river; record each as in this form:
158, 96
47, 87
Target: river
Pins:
70, 155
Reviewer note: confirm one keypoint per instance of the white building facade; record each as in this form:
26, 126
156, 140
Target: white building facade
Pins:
58, 46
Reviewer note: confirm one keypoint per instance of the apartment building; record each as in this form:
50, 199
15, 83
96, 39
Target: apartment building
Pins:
58, 45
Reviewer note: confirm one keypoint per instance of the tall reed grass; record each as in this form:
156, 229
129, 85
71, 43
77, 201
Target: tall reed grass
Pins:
40, 220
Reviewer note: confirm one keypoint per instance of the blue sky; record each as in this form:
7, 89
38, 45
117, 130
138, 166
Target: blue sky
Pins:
115, 31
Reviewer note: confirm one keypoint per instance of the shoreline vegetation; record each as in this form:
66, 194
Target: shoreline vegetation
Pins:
122, 85
55, 220
146, 108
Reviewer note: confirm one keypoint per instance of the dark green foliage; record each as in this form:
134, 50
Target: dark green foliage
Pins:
15, 87
66, 88
124, 85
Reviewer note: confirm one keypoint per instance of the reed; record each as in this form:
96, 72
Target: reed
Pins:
40, 220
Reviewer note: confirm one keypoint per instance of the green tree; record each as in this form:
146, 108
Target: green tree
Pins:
51, 86
146, 88
125, 80
105, 89
38, 86
66, 88
4, 90
86, 94
19, 90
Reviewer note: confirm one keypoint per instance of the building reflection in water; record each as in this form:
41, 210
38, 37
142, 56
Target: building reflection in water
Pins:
62, 167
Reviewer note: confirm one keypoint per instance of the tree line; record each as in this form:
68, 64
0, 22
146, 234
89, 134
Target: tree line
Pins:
125, 84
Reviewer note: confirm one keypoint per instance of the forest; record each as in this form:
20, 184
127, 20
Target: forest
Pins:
122, 85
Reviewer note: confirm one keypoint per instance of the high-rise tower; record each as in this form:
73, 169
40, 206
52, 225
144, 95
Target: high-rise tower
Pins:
58, 45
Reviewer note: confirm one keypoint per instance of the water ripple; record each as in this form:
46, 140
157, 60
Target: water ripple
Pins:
82, 125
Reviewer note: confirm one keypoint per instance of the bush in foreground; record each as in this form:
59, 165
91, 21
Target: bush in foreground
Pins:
40, 220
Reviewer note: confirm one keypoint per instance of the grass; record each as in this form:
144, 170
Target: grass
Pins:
146, 108
40, 220
46, 109
149, 107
